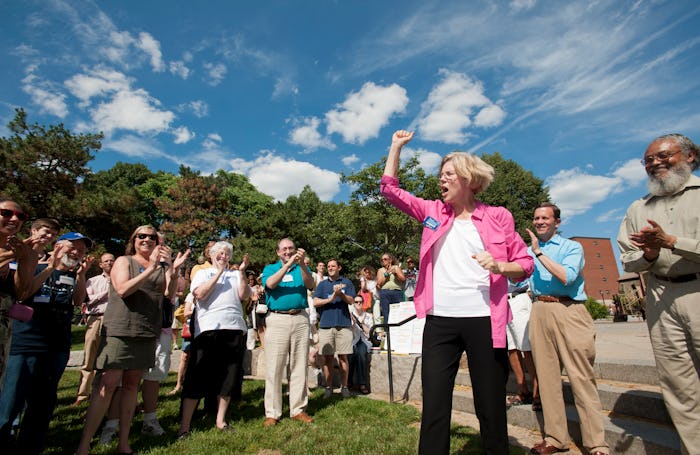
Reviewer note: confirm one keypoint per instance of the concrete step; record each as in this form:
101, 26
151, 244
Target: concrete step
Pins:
624, 398
624, 434
635, 415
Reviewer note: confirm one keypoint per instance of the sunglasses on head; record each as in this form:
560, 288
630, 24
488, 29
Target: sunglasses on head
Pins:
7, 213
153, 237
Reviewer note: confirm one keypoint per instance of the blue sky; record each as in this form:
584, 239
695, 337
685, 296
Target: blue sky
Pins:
295, 92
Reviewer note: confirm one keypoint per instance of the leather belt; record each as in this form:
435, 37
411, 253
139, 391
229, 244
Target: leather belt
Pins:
679, 278
294, 311
554, 298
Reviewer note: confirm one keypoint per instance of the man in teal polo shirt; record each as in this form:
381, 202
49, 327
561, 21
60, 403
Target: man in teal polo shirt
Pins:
287, 332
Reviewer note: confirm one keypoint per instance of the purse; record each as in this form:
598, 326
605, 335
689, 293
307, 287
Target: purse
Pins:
186, 334
179, 313
261, 308
20, 312
188, 327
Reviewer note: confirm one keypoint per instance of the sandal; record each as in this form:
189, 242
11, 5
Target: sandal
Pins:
363, 389
518, 400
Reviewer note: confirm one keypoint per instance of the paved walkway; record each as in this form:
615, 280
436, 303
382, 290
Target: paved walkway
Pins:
623, 342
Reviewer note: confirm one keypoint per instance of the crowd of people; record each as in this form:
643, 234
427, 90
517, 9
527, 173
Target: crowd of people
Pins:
481, 288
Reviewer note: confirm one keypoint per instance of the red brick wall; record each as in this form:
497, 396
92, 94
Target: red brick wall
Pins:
600, 271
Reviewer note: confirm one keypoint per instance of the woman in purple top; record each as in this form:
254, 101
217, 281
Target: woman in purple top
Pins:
468, 251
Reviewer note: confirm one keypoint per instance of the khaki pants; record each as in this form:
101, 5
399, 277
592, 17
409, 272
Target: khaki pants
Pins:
673, 317
562, 334
92, 343
286, 337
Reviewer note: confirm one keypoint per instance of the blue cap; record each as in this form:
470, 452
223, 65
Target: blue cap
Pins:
76, 236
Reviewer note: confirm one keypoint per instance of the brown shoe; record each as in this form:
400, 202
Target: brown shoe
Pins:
303, 417
544, 449
270, 422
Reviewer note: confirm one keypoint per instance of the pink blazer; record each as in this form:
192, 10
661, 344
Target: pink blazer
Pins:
497, 230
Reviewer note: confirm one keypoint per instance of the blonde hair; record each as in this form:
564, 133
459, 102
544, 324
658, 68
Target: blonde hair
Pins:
130, 248
478, 173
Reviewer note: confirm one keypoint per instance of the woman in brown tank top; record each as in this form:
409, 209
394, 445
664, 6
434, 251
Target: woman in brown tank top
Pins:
139, 281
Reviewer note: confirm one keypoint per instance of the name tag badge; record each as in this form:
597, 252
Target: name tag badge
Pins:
42, 298
288, 278
431, 223
65, 279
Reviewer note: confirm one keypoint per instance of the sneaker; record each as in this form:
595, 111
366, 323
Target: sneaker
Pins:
152, 429
108, 433
328, 392
345, 392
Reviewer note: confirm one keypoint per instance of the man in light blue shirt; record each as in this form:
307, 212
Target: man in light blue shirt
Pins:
562, 333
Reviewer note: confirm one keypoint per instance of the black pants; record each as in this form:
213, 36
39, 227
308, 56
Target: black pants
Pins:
444, 341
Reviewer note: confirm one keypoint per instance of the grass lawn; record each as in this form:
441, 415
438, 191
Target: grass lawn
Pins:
357, 425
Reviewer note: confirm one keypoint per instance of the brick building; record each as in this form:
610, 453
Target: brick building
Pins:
600, 272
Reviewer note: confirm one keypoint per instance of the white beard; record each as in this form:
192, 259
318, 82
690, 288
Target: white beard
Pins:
69, 263
672, 182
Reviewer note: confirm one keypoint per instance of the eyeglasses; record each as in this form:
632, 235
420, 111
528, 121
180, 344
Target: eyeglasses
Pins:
449, 175
661, 156
7, 213
153, 237
359, 302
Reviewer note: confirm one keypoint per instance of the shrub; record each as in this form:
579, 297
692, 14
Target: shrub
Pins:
597, 310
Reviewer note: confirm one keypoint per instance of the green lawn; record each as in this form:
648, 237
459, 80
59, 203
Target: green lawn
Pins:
357, 425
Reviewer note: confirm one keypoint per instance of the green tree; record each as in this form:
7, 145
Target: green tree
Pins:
193, 211
516, 189
41, 167
111, 205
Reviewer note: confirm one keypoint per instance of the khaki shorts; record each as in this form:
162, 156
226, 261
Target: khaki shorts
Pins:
336, 340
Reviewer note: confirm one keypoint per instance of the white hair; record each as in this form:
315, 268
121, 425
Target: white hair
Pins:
220, 246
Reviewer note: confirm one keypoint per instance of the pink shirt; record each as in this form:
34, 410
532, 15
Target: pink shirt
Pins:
497, 231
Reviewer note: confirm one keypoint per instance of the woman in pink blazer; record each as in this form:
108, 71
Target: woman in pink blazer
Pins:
468, 251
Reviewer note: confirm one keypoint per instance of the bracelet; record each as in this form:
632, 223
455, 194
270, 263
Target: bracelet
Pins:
539, 254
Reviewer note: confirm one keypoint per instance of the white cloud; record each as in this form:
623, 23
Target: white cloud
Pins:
116, 104
364, 113
576, 191
519, 5
45, 94
308, 136
180, 69
284, 86
131, 110
183, 135
427, 160
281, 178
151, 47
631, 173
134, 146
489, 116
213, 139
97, 83
447, 113
199, 108
216, 73
350, 160
610, 215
